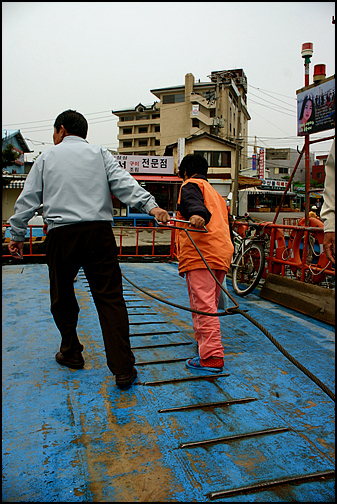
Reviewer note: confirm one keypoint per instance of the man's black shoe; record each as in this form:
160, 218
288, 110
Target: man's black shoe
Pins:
76, 361
125, 380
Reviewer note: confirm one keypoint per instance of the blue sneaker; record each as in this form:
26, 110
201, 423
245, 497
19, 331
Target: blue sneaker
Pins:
195, 364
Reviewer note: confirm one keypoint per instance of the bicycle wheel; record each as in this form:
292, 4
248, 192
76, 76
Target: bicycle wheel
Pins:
247, 271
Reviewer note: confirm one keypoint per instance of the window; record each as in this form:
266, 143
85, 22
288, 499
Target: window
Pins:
127, 118
157, 129
127, 144
174, 98
195, 123
142, 129
142, 117
127, 131
216, 159
155, 116
212, 112
283, 170
142, 143
157, 142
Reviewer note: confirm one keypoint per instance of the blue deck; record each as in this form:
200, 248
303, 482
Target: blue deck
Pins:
73, 436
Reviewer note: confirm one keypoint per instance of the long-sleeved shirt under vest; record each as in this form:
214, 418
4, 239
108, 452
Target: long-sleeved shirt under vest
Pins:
328, 208
74, 180
198, 197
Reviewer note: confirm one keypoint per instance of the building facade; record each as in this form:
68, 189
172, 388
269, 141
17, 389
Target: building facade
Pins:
279, 164
14, 175
217, 107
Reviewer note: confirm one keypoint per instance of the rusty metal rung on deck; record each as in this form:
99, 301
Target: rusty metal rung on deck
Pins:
269, 484
208, 405
187, 378
226, 439
149, 322
154, 333
160, 361
178, 343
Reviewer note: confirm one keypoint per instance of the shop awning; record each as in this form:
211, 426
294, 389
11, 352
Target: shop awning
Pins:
14, 184
245, 182
157, 178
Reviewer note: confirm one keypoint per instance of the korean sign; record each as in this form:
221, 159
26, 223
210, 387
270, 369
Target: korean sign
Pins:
152, 165
275, 184
181, 150
261, 163
316, 107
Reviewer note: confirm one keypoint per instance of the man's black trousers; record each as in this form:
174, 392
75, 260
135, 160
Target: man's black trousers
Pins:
92, 246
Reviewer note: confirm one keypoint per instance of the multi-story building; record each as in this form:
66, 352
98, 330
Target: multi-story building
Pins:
13, 174
279, 164
318, 169
211, 117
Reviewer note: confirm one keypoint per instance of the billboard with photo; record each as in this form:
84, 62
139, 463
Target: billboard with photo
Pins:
316, 107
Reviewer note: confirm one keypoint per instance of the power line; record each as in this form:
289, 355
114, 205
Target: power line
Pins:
48, 120
271, 108
280, 106
279, 94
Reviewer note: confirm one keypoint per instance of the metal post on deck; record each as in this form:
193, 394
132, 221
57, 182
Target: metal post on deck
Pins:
307, 52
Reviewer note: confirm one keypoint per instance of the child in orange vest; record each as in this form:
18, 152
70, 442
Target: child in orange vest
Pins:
202, 205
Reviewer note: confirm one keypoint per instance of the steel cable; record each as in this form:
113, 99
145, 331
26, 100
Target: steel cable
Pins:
232, 311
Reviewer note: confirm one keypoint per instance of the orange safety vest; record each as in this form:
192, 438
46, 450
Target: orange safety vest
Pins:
216, 246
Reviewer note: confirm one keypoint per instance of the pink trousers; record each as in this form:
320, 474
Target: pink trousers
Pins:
204, 295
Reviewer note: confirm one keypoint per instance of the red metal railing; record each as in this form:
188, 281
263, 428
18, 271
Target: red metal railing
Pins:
122, 234
292, 258
133, 246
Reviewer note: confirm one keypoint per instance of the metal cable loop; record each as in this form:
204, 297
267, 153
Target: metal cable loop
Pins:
232, 311
287, 354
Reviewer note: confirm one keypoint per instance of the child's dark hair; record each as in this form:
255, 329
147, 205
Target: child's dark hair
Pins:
74, 122
192, 164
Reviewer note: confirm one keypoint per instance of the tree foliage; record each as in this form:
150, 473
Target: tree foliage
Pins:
9, 155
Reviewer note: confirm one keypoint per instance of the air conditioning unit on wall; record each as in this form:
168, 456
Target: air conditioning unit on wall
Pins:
117, 212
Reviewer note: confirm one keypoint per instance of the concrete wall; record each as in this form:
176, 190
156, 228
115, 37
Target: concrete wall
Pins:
9, 197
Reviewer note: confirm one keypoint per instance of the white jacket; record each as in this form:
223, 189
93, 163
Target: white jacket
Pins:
74, 180
328, 207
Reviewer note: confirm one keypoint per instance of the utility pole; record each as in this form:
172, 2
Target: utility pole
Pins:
235, 210
307, 52
217, 104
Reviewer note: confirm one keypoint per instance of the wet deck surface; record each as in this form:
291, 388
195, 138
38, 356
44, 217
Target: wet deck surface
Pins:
73, 436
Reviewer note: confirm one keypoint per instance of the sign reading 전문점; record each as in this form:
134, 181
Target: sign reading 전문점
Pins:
316, 107
152, 165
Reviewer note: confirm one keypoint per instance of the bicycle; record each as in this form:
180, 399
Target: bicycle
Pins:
248, 261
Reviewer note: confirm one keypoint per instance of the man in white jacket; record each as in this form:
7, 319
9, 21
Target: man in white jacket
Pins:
74, 181
328, 207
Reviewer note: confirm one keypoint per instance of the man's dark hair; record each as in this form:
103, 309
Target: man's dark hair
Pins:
192, 164
74, 122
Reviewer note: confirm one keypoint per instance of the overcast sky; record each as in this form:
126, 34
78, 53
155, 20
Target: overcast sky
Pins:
101, 56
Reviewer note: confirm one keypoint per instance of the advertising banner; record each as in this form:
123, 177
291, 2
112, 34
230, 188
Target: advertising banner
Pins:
152, 165
316, 107
254, 162
261, 163
195, 110
181, 150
